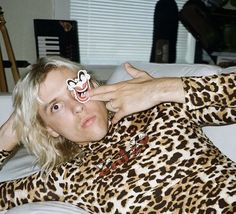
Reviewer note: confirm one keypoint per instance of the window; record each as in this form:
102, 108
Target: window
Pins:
111, 32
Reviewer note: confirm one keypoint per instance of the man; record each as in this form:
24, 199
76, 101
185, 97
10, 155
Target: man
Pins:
152, 161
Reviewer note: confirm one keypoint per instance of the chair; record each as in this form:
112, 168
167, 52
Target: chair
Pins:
11, 56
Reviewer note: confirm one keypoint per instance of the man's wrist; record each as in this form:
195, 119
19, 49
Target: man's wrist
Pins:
169, 90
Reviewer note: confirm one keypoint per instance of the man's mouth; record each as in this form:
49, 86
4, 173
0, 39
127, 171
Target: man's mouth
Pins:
88, 122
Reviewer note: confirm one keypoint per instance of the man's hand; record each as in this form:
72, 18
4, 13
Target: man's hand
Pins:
138, 94
8, 137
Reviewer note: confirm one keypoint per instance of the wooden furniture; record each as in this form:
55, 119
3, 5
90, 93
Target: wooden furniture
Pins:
214, 30
11, 56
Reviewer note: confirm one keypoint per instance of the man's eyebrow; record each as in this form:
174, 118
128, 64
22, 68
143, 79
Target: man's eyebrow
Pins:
46, 105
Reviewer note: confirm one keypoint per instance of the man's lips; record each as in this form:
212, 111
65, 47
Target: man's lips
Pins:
88, 121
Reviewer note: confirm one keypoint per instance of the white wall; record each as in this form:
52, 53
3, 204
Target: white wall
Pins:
19, 15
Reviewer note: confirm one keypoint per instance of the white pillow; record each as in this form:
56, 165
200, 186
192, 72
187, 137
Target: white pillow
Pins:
165, 70
229, 70
52, 207
20, 165
5, 107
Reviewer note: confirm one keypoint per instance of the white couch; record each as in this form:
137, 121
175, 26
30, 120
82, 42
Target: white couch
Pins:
21, 164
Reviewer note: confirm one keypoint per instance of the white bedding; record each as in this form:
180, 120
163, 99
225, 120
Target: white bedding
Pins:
21, 165
52, 207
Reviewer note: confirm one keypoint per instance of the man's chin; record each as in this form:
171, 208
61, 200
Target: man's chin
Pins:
100, 136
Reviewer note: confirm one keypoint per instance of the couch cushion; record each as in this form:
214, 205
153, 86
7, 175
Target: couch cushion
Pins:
5, 107
165, 70
52, 207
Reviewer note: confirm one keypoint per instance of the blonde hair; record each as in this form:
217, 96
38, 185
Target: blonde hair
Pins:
49, 151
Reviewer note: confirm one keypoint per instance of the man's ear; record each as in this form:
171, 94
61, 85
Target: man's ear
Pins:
52, 132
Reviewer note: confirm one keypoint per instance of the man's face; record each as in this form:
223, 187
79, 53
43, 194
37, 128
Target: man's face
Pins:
64, 115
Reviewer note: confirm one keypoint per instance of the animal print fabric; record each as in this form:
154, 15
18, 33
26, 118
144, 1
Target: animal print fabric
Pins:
156, 161
3, 157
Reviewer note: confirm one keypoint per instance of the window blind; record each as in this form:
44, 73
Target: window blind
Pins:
111, 32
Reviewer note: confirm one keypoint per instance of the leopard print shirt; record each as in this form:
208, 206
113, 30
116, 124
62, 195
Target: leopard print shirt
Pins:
4, 156
156, 161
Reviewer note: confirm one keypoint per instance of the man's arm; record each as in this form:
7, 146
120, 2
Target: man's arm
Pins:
211, 99
216, 90
201, 95
138, 94
8, 139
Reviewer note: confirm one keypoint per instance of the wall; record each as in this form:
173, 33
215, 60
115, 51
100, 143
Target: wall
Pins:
19, 17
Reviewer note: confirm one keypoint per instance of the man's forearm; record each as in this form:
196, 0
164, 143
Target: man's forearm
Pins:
169, 90
8, 138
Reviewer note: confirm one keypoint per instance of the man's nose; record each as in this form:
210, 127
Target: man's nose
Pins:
76, 106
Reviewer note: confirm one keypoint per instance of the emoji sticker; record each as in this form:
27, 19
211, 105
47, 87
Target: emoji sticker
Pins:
80, 86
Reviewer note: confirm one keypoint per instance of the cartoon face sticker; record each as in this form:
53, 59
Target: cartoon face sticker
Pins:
80, 86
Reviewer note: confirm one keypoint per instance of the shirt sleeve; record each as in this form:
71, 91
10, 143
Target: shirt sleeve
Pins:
34, 188
212, 99
4, 155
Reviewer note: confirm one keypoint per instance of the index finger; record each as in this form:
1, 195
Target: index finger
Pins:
102, 90
104, 96
136, 73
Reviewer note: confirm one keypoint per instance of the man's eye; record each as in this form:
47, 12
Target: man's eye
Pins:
56, 107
